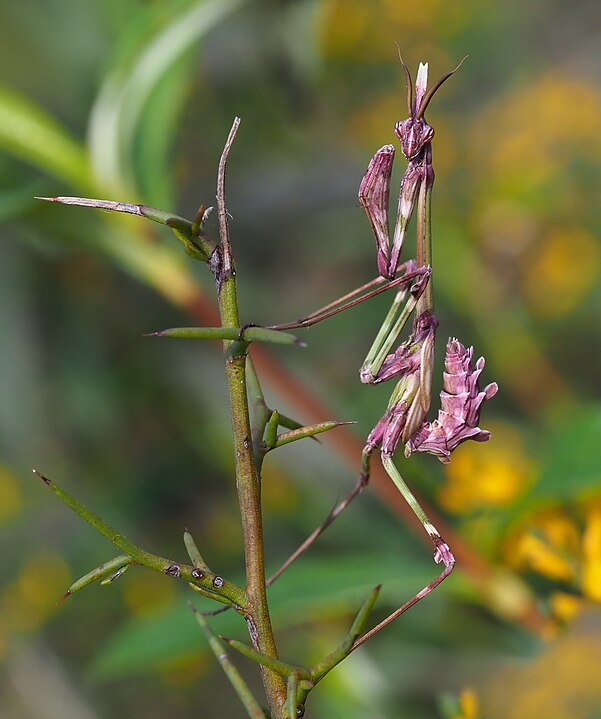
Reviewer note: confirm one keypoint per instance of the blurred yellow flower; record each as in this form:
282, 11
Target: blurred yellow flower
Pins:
562, 682
565, 606
565, 549
528, 137
547, 544
33, 596
280, 495
3, 638
487, 475
146, 592
184, 670
591, 555
533, 553
10, 496
344, 26
469, 707
562, 270
367, 30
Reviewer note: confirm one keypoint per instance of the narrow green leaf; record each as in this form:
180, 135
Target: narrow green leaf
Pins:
30, 134
115, 575
290, 423
121, 101
193, 552
118, 563
271, 431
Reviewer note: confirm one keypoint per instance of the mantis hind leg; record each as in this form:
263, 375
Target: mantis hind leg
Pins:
442, 552
360, 484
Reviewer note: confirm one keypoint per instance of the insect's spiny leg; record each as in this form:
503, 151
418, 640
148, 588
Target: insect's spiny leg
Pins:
335, 307
408, 604
360, 485
341, 300
442, 553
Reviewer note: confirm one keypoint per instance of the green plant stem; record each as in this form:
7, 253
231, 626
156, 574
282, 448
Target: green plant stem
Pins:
247, 477
249, 496
240, 686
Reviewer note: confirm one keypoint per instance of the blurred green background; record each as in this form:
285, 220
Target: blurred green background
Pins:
132, 100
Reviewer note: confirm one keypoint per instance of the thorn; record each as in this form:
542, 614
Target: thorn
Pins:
153, 334
299, 342
64, 598
48, 199
42, 477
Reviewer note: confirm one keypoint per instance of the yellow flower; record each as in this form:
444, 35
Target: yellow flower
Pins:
10, 497
561, 272
591, 555
549, 545
565, 606
534, 553
368, 30
469, 707
487, 475
538, 123
146, 592
563, 549
33, 596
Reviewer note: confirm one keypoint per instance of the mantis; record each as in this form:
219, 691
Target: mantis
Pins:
411, 363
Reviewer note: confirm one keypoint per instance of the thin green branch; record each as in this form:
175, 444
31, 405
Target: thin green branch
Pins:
292, 689
241, 688
196, 243
282, 668
228, 260
309, 430
221, 590
246, 334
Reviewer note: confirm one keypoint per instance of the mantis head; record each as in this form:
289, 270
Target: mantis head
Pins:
414, 133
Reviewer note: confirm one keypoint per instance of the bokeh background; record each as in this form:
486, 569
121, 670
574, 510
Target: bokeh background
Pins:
132, 100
